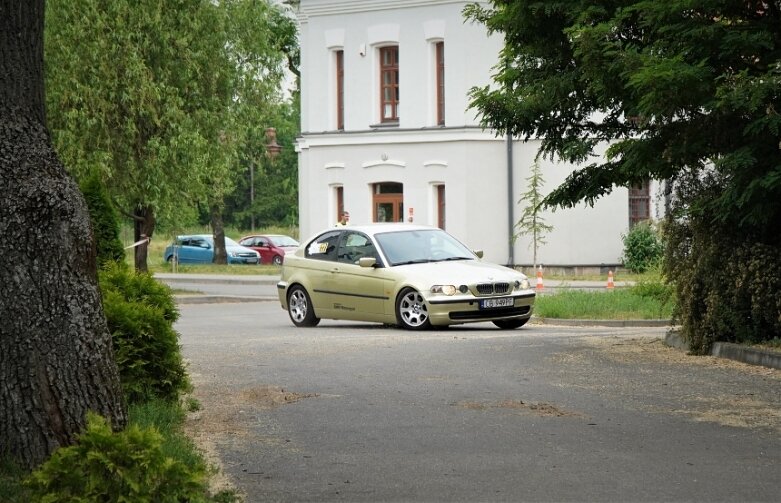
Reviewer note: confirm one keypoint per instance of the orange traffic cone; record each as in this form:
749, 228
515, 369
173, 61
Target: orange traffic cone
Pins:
539, 279
610, 284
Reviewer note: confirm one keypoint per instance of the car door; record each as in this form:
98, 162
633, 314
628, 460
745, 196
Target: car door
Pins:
357, 292
262, 246
321, 253
199, 251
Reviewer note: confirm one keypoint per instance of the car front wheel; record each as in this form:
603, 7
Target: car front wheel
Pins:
510, 324
411, 310
300, 309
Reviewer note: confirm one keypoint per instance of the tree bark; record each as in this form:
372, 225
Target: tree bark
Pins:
218, 229
144, 218
56, 357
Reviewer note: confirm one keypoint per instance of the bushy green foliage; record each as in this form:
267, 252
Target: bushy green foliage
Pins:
141, 312
643, 247
12, 489
125, 466
104, 221
727, 283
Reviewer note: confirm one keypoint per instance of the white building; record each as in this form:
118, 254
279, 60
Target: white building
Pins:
387, 135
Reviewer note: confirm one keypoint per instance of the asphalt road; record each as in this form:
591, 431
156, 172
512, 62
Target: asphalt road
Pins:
360, 412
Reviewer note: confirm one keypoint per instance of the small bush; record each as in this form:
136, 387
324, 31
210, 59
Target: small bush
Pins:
643, 248
125, 466
105, 225
140, 312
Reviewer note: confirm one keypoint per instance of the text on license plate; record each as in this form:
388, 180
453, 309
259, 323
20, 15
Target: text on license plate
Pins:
500, 302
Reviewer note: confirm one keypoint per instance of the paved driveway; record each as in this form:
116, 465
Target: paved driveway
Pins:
358, 412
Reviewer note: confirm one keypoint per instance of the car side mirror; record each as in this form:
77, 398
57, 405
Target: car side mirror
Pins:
479, 253
367, 261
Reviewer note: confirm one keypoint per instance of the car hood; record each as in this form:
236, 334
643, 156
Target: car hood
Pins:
238, 249
459, 272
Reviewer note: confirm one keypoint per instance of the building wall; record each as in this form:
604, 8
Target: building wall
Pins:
470, 162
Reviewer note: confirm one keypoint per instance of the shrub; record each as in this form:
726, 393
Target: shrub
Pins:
642, 247
125, 466
140, 313
727, 283
105, 225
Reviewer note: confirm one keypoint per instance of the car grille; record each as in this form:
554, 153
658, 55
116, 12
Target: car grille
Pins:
246, 255
492, 288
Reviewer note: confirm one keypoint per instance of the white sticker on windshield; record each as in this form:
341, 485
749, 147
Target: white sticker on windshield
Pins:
316, 248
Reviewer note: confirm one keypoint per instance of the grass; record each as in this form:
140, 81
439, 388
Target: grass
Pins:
167, 418
620, 304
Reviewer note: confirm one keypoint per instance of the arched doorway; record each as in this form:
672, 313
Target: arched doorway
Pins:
388, 202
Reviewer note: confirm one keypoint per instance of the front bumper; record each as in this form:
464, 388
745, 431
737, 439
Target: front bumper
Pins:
449, 311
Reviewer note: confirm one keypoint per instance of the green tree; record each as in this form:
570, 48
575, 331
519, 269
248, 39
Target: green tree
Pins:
532, 223
155, 94
257, 37
686, 91
56, 358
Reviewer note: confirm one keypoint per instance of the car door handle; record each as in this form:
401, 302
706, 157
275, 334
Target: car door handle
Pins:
335, 269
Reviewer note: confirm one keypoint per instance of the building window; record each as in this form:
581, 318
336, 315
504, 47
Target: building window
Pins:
441, 206
340, 90
339, 203
440, 83
389, 84
388, 201
639, 203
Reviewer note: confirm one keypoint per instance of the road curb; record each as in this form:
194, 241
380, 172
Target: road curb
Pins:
219, 299
602, 323
731, 351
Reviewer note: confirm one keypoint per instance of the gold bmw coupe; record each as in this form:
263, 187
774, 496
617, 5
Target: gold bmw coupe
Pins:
408, 275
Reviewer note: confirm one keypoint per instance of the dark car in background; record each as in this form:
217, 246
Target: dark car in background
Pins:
272, 247
199, 249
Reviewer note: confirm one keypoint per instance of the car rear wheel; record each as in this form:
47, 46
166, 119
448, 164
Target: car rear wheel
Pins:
277, 260
510, 324
300, 309
411, 310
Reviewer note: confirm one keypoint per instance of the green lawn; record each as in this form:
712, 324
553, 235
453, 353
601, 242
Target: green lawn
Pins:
620, 304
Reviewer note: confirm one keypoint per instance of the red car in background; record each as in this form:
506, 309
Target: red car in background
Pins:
272, 247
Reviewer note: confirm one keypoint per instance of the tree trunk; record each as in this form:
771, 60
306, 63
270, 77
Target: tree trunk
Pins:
218, 228
144, 218
56, 357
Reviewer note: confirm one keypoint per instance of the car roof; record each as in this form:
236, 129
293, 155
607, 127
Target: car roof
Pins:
267, 236
190, 236
379, 228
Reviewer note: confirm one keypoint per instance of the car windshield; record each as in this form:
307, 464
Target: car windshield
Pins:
283, 241
419, 246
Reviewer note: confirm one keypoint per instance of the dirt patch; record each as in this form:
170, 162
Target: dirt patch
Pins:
539, 409
228, 414
268, 397
722, 391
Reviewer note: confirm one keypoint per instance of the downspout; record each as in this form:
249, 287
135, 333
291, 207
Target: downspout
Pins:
510, 202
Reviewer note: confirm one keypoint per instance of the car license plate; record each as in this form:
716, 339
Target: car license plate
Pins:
500, 302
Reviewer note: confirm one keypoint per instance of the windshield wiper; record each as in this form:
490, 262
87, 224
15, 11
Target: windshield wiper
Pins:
416, 261
454, 258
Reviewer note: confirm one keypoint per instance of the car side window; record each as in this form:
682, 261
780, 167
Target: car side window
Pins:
324, 246
354, 246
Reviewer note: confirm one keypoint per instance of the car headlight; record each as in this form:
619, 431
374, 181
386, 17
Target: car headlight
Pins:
444, 289
523, 284
232, 254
